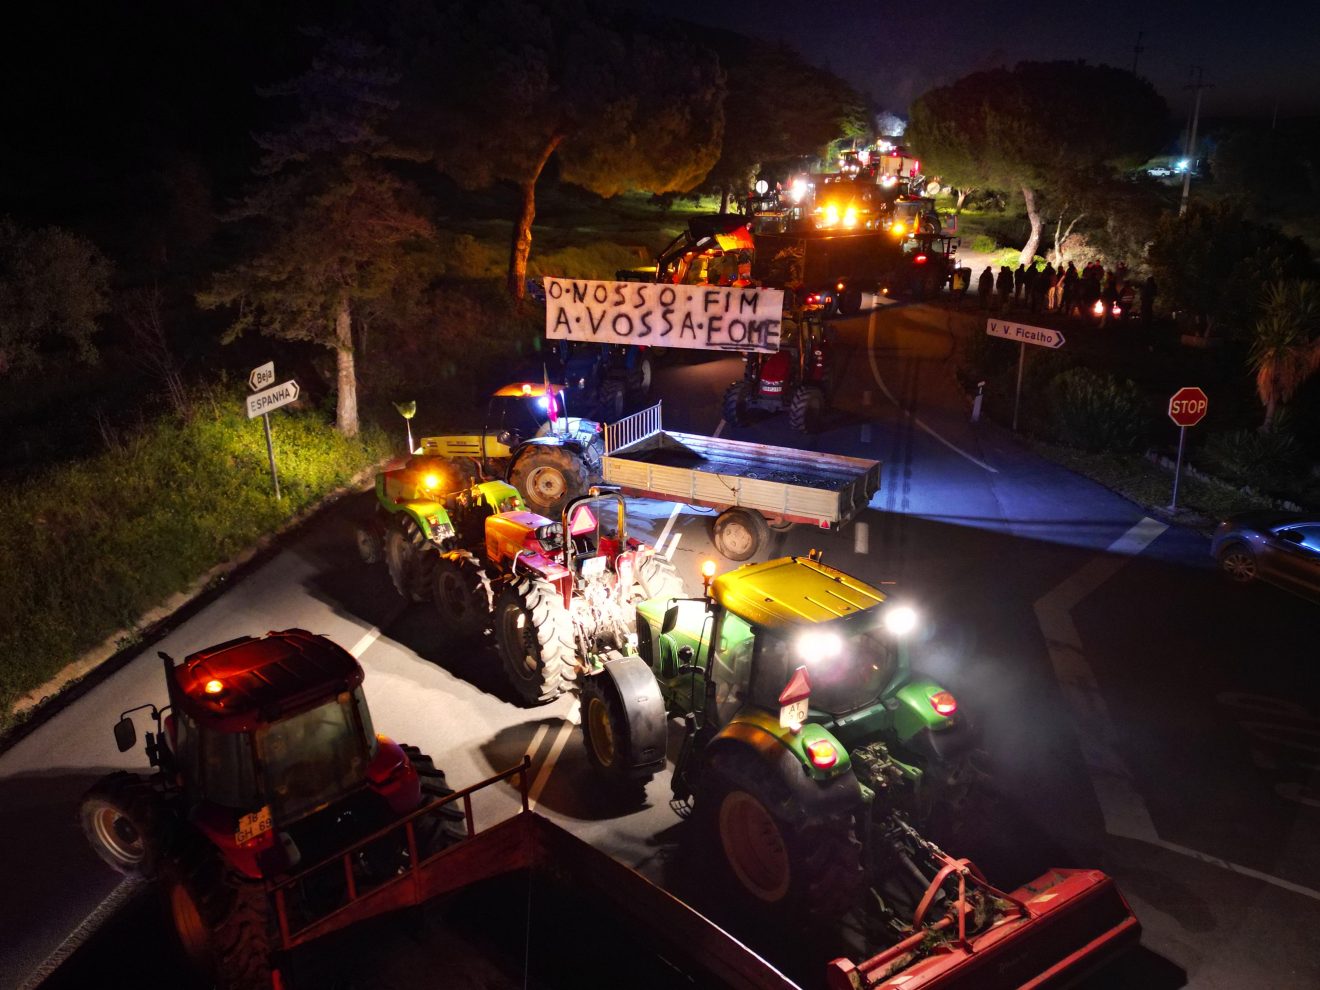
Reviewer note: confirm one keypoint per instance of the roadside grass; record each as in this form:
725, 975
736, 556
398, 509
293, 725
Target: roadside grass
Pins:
89, 547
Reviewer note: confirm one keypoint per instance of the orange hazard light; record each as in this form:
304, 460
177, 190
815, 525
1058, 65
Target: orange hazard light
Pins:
822, 754
944, 703
213, 686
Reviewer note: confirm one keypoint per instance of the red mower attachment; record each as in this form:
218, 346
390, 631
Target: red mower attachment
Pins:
1044, 934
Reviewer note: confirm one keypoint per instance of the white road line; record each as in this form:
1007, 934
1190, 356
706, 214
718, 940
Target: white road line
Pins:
543, 775
535, 744
664, 533
373, 634
861, 538
1124, 810
719, 429
875, 373
669, 554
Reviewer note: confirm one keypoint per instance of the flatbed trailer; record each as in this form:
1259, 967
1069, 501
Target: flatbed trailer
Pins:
755, 486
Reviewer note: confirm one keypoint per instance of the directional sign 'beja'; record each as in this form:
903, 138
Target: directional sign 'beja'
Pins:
272, 398
1188, 406
261, 377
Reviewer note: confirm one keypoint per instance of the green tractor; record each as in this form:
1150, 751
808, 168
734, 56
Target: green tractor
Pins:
806, 729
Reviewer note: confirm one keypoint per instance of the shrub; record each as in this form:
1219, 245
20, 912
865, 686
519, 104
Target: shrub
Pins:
1247, 457
1096, 412
983, 244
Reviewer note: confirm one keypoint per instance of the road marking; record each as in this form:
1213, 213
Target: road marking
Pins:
669, 554
664, 533
1124, 810
543, 775
124, 891
719, 429
920, 424
861, 538
373, 634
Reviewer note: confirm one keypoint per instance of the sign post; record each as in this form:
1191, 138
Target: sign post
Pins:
1024, 335
262, 402
1187, 407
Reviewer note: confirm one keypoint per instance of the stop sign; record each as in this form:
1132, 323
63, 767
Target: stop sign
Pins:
1188, 406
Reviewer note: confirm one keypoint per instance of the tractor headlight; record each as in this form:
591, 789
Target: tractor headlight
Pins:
815, 647
431, 481
900, 619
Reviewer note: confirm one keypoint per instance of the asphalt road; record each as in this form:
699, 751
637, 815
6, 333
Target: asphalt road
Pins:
1144, 717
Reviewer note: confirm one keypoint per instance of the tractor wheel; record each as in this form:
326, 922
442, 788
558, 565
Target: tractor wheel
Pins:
547, 477
611, 401
462, 594
407, 558
452, 825
370, 540
738, 533
1238, 562
804, 413
658, 578
607, 740
534, 633
735, 404
125, 822
816, 864
223, 920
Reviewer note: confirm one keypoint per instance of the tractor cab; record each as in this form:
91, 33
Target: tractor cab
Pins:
712, 250
515, 415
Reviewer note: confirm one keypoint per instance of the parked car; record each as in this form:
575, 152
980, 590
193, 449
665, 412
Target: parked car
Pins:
1282, 548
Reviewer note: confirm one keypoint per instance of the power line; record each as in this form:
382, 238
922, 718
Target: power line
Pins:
1137, 49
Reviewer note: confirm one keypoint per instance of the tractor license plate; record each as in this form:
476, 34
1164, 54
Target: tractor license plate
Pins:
253, 825
591, 566
792, 715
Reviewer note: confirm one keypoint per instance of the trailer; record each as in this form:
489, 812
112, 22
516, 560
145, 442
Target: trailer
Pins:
755, 486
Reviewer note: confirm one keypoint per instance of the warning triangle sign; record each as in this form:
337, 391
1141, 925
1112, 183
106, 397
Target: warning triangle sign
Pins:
799, 687
583, 521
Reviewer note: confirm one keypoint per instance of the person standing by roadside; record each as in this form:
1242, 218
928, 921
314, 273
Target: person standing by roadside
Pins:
1019, 285
1068, 295
1004, 284
984, 286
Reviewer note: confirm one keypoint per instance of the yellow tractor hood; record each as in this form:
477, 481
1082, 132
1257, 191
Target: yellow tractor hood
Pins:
792, 591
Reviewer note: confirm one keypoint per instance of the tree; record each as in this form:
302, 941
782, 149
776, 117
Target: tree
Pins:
331, 225
1211, 262
803, 110
53, 284
1037, 128
1285, 350
502, 86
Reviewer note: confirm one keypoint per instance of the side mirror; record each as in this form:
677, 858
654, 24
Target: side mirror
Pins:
685, 664
506, 438
125, 734
670, 622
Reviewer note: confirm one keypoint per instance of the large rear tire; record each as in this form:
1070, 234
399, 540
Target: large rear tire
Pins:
735, 404
658, 578
534, 633
407, 559
805, 412
608, 742
547, 477
816, 864
451, 825
738, 533
223, 921
125, 822
462, 594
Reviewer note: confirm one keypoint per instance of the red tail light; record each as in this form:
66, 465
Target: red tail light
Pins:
822, 754
919, 259
944, 703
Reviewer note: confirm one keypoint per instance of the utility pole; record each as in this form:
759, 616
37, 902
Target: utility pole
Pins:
1137, 49
1199, 84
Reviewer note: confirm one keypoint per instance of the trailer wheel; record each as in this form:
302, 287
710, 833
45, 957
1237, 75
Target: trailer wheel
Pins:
608, 742
223, 920
405, 562
658, 578
534, 633
735, 404
816, 864
547, 477
738, 533
125, 823
462, 594
804, 414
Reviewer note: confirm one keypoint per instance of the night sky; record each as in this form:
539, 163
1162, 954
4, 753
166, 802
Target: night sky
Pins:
1254, 54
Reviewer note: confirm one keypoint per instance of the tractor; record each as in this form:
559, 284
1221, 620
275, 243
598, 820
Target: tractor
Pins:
805, 726
603, 377
559, 596
529, 440
265, 760
795, 378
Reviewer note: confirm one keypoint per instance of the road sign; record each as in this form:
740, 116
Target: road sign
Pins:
272, 398
262, 377
1188, 406
1040, 336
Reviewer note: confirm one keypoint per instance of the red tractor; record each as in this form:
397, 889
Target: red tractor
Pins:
560, 596
265, 760
796, 378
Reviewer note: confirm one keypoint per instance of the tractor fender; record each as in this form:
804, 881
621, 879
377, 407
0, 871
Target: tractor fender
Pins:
810, 796
643, 707
923, 730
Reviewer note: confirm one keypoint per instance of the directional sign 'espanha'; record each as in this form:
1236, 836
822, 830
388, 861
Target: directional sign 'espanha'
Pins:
1040, 336
272, 398
262, 377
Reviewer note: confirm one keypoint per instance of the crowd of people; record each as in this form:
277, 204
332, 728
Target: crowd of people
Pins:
1093, 292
